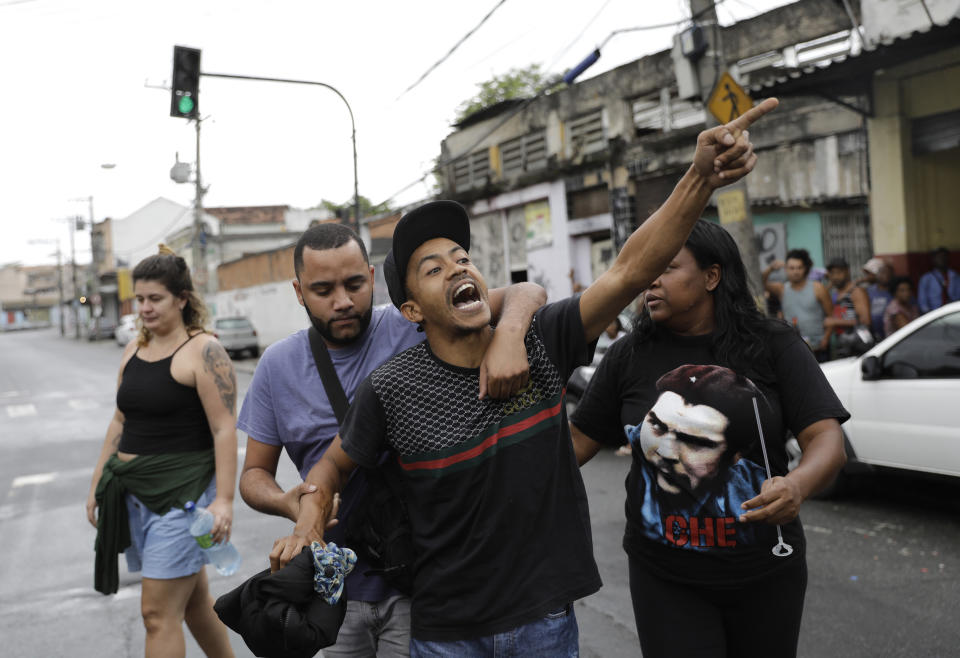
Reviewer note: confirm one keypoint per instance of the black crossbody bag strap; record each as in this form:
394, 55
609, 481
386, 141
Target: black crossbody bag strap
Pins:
331, 383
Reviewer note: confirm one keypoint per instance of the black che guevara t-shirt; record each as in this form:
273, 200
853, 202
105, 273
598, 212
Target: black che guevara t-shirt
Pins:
697, 448
497, 506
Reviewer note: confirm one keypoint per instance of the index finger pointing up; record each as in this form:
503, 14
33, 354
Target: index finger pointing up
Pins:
746, 119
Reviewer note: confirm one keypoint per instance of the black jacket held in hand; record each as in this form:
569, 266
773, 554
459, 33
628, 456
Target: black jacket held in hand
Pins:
279, 615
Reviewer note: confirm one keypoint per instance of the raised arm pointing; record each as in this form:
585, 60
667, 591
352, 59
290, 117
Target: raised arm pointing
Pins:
724, 155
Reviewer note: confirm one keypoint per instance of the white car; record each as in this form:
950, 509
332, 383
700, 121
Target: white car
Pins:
903, 396
237, 335
126, 329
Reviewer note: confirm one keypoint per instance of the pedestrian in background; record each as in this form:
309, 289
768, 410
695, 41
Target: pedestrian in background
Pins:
851, 309
877, 275
172, 439
804, 302
902, 309
703, 579
939, 286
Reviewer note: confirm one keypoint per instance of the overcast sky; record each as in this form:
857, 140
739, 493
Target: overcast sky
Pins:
83, 86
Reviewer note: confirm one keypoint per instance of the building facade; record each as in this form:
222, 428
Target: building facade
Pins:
555, 184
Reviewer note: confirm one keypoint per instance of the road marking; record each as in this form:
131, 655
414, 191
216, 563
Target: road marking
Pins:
9, 394
81, 405
19, 410
38, 478
44, 478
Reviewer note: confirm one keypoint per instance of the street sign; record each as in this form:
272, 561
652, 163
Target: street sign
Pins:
732, 206
728, 99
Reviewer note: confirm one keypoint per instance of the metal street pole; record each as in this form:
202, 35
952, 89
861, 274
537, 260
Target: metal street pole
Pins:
63, 330
353, 126
709, 69
94, 277
199, 250
74, 302
59, 279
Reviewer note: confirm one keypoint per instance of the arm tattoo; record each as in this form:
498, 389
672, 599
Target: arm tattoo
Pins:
216, 362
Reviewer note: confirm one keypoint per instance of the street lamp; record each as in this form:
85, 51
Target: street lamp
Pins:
353, 126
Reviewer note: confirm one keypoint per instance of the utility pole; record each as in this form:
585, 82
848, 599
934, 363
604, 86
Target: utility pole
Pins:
733, 202
60, 295
94, 276
199, 239
74, 302
63, 330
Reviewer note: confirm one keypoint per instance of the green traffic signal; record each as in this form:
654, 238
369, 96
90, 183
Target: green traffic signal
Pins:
185, 83
185, 105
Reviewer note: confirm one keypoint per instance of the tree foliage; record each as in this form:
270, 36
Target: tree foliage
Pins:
367, 207
515, 83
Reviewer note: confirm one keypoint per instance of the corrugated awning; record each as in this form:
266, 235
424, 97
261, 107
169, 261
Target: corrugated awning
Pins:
848, 75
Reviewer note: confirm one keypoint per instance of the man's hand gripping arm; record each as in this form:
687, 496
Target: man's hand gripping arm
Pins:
258, 483
317, 509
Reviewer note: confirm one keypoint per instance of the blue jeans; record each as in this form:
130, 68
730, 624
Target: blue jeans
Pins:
370, 630
556, 635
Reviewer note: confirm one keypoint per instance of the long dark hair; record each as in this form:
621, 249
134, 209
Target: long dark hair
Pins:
739, 338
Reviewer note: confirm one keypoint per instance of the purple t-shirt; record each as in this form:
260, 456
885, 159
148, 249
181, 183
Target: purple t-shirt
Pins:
286, 405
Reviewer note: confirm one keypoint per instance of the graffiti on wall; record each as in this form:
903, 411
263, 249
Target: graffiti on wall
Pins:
771, 242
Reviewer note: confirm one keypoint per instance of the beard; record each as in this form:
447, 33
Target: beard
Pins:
323, 328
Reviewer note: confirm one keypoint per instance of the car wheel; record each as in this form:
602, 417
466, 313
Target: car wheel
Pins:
255, 351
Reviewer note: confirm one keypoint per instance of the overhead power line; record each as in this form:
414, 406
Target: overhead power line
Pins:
455, 46
543, 91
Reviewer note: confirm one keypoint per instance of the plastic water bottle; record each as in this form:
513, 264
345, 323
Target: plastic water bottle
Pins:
224, 556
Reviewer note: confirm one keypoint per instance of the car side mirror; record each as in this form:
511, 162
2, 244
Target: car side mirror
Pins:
870, 368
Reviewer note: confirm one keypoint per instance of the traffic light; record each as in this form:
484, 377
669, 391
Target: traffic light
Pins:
185, 90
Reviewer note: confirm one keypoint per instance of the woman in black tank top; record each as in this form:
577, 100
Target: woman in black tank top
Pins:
176, 399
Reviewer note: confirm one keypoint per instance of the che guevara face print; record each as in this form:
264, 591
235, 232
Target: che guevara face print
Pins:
691, 446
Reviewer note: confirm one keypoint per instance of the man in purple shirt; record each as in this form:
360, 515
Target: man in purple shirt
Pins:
286, 406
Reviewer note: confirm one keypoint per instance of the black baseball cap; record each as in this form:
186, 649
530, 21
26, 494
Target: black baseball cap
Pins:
436, 219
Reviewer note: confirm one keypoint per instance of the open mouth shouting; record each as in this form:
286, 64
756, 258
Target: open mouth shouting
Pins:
465, 296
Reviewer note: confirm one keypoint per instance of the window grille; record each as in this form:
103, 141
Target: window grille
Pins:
651, 115
587, 133
523, 154
472, 170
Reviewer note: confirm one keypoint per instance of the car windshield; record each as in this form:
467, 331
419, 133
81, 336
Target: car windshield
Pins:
233, 323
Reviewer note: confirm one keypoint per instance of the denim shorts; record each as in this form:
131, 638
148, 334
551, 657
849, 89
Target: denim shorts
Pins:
161, 546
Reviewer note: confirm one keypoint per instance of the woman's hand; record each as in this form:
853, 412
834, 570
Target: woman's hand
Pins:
222, 510
92, 508
779, 502
823, 457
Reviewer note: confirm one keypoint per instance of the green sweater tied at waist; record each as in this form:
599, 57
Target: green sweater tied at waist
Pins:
161, 482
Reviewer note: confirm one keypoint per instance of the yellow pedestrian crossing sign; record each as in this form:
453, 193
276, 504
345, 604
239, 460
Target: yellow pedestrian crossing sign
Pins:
728, 100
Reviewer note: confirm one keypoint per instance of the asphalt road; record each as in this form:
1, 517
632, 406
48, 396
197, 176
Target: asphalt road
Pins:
883, 560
